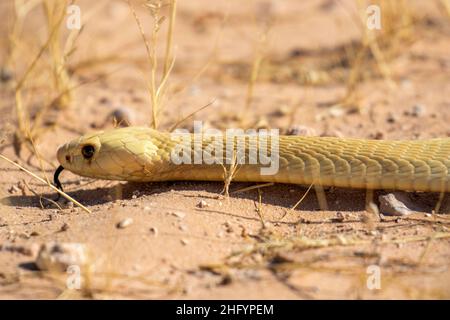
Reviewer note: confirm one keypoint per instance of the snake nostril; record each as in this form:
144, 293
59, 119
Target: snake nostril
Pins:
68, 158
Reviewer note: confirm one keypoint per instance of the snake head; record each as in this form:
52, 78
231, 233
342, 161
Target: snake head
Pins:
80, 155
119, 154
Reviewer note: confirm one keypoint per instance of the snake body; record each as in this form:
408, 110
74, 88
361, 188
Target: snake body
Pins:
144, 154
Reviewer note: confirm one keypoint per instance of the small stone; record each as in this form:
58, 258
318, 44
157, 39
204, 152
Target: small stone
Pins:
336, 111
64, 227
244, 232
226, 280
69, 205
184, 242
418, 110
391, 118
24, 235
13, 189
136, 194
124, 223
122, 116
104, 100
262, 123
284, 110
182, 227
154, 231
428, 215
59, 256
390, 205
339, 217
228, 227
178, 214
332, 133
203, 204
5, 75
377, 136
299, 130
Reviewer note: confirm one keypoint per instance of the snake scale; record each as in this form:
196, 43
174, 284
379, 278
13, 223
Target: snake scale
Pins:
144, 154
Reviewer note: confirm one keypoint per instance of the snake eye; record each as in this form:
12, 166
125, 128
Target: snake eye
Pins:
88, 151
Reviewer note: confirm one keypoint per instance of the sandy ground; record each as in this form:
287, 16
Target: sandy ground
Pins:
231, 247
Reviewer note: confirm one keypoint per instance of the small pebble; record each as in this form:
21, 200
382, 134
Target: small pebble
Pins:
336, 111
228, 227
122, 116
67, 204
339, 217
299, 130
390, 118
13, 189
136, 194
178, 214
390, 205
203, 204
418, 110
332, 133
282, 111
377, 136
184, 242
262, 123
154, 231
124, 223
5, 75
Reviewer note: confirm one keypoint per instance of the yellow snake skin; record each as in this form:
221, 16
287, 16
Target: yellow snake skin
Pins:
143, 154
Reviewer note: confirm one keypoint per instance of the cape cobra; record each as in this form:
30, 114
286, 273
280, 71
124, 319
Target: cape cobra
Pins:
144, 154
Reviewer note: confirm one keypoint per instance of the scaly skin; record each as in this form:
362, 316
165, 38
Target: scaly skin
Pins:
143, 154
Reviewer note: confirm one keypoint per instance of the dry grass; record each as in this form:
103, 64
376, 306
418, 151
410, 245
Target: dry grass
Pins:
157, 88
65, 195
396, 33
265, 20
50, 60
55, 12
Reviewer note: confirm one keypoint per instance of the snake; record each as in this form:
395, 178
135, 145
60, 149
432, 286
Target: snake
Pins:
143, 154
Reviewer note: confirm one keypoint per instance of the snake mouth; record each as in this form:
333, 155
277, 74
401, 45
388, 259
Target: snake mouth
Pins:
56, 181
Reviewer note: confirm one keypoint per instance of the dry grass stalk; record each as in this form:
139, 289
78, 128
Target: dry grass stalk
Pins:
259, 210
54, 10
265, 19
29, 130
396, 32
157, 89
65, 195
229, 173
